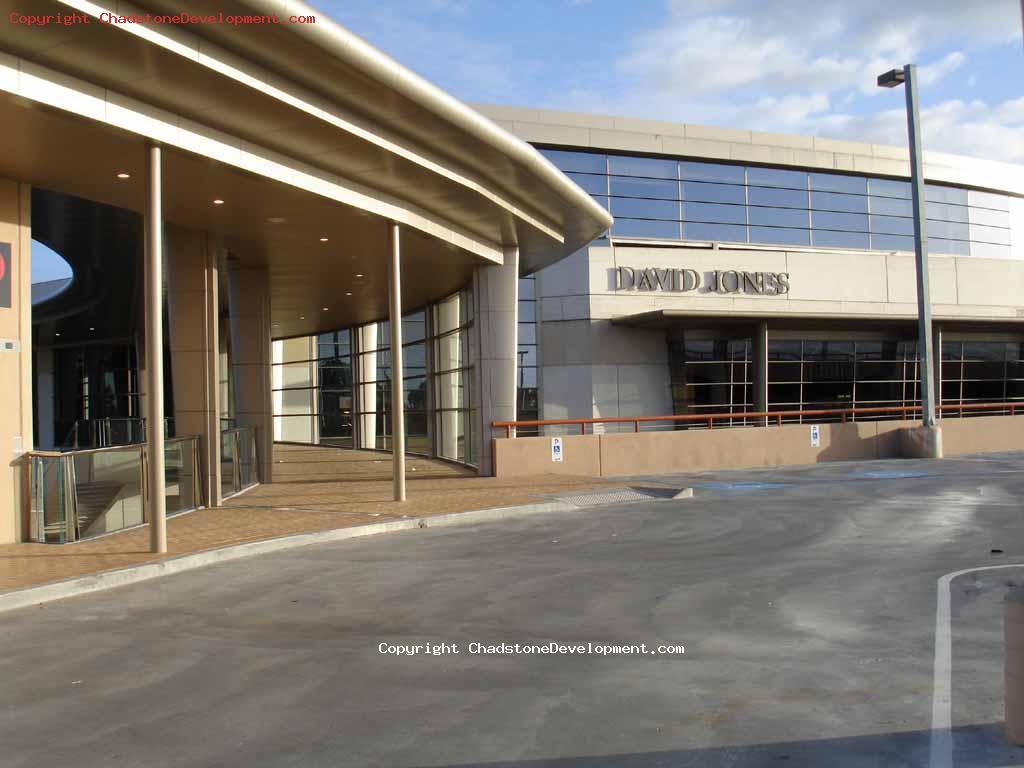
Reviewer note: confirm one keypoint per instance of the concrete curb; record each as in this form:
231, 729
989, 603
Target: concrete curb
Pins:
97, 582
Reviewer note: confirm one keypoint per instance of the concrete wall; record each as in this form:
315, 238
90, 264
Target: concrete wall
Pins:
15, 358
629, 453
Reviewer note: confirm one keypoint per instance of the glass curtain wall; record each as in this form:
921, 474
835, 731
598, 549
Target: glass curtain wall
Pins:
451, 377
982, 371
710, 375
527, 390
294, 390
665, 198
335, 379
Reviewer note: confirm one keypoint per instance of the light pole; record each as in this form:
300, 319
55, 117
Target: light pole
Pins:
908, 78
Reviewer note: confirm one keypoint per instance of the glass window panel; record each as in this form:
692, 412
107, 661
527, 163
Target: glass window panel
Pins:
414, 358
983, 390
713, 193
831, 201
645, 228
790, 198
296, 349
624, 165
942, 194
831, 239
984, 350
527, 333
828, 394
777, 177
780, 371
296, 401
335, 377
527, 377
879, 391
780, 236
296, 374
853, 222
945, 212
414, 327
891, 206
892, 225
785, 394
717, 213
835, 182
528, 311
892, 242
784, 349
724, 232
624, 186
880, 370
601, 200
889, 188
995, 235
989, 218
527, 286
567, 160
528, 355
696, 171
778, 217
447, 313
591, 182
645, 209
954, 247
988, 200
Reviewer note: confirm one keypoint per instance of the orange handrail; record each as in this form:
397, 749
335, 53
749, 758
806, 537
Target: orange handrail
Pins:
902, 410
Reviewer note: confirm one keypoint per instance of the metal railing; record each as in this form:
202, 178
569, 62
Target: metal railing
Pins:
75, 495
764, 418
238, 468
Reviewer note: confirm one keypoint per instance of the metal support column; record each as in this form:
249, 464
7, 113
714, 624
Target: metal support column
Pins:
155, 358
924, 304
397, 375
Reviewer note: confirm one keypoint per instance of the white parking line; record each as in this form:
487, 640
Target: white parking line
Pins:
941, 752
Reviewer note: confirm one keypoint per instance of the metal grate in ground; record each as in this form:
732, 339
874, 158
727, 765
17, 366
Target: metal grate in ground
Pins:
618, 496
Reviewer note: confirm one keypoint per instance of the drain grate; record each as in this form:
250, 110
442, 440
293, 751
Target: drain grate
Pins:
617, 496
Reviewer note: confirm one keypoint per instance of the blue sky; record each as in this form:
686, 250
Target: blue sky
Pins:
803, 66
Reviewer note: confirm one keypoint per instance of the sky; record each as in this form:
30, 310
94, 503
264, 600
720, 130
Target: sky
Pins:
796, 66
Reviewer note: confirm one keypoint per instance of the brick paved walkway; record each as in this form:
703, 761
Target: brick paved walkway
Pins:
315, 489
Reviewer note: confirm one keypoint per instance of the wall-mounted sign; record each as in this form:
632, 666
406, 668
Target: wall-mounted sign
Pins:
556, 450
815, 436
5, 275
671, 279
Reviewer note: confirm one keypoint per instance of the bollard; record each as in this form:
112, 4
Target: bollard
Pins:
1013, 633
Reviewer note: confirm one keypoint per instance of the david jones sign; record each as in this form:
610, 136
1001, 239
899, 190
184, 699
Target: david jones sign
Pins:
712, 281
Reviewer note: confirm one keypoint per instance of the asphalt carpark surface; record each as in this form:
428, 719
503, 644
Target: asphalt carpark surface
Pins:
805, 598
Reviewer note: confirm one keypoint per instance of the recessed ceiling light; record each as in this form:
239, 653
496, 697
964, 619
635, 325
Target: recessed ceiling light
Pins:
218, 201
348, 293
91, 328
325, 309
359, 274
323, 239
56, 334
276, 220
302, 317
124, 175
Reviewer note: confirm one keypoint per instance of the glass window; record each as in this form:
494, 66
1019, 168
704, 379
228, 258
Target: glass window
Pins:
832, 239
777, 177
626, 186
853, 222
942, 194
646, 228
892, 225
832, 201
989, 217
730, 174
995, 235
780, 236
646, 209
589, 182
835, 182
891, 206
713, 193
655, 168
892, 242
778, 217
714, 213
946, 212
988, 200
715, 232
584, 162
889, 188
948, 230
790, 198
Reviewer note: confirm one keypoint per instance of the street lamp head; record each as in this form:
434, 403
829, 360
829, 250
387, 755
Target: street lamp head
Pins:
892, 78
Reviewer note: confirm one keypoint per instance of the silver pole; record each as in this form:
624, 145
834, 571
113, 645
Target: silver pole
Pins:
154, 358
397, 393
924, 302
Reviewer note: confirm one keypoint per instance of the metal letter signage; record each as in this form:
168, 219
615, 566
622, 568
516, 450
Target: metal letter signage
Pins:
673, 280
5, 275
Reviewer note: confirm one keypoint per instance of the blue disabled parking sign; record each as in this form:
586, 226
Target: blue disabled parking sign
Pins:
556, 449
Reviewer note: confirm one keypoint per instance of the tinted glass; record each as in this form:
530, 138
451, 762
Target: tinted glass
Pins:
831, 201
714, 213
890, 206
645, 209
777, 177
625, 186
949, 230
946, 212
779, 236
732, 174
790, 198
778, 217
833, 182
892, 242
988, 200
725, 232
643, 166
590, 182
955, 247
891, 225
940, 194
889, 188
713, 193
830, 239
990, 234
645, 228
854, 222
586, 162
